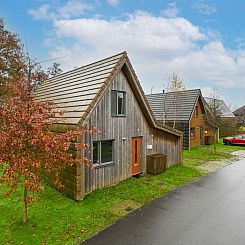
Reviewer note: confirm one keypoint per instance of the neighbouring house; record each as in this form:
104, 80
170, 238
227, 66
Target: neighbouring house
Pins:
240, 115
186, 110
228, 121
108, 96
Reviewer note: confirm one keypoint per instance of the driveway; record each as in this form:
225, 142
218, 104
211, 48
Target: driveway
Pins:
208, 211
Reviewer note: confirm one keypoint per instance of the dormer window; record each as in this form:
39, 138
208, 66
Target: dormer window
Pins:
118, 103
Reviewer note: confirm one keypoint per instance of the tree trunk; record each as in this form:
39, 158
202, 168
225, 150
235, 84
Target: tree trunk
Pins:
25, 218
214, 145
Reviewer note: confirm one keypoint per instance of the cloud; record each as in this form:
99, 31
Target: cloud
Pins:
204, 8
71, 9
41, 13
157, 47
143, 35
171, 11
113, 2
140, 32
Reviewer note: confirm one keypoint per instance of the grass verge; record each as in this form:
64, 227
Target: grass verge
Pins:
56, 219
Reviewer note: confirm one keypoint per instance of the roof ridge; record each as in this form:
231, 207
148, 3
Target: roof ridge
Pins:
205, 97
83, 66
243, 106
187, 90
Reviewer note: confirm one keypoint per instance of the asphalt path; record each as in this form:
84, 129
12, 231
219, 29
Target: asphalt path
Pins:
210, 211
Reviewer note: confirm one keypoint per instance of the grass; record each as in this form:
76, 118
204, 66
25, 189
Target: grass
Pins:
205, 153
56, 219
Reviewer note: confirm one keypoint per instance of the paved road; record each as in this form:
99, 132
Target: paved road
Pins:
210, 211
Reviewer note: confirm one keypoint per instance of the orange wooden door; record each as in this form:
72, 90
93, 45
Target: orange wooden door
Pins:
136, 156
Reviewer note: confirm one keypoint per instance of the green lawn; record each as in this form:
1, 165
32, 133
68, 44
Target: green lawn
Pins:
56, 219
205, 153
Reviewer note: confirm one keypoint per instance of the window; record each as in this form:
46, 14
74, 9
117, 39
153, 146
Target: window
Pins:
118, 103
196, 111
135, 151
96, 153
102, 152
192, 133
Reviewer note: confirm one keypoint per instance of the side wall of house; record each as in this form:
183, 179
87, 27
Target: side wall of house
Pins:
121, 130
228, 126
182, 126
240, 115
200, 122
70, 177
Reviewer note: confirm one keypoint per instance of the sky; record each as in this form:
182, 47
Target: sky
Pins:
202, 41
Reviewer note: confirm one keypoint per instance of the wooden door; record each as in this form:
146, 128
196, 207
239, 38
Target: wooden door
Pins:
136, 155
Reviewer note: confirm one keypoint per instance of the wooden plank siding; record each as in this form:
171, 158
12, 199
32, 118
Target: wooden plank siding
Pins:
184, 127
197, 123
121, 130
84, 95
227, 127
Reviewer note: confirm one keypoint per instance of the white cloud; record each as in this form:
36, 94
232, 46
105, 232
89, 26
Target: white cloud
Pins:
150, 38
204, 8
171, 11
113, 2
41, 13
157, 46
71, 9
141, 33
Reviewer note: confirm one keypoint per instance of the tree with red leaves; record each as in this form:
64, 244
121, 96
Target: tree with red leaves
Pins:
27, 145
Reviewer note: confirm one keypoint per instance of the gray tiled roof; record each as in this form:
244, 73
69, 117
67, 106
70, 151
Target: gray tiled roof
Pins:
165, 104
239, 110
74, 91
222, 107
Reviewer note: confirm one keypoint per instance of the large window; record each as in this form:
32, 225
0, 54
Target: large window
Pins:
102, 152
118, 103
192, 133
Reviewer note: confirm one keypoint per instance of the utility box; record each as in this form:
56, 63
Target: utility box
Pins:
156, 163
209, 140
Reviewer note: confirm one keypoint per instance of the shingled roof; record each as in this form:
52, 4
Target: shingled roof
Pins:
165, 104
222, 107
78, 91
239, 110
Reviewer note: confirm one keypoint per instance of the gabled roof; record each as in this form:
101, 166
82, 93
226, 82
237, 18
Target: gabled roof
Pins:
225, 111
78, 91
170, 105
239, 110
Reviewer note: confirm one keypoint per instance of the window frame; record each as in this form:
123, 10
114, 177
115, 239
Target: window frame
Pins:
124, 103
100, 164
196, 111
194, 133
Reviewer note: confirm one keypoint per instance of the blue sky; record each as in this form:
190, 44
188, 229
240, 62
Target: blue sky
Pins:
202, 41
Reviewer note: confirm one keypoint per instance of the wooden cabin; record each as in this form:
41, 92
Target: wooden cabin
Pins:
108, 96
185, 111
